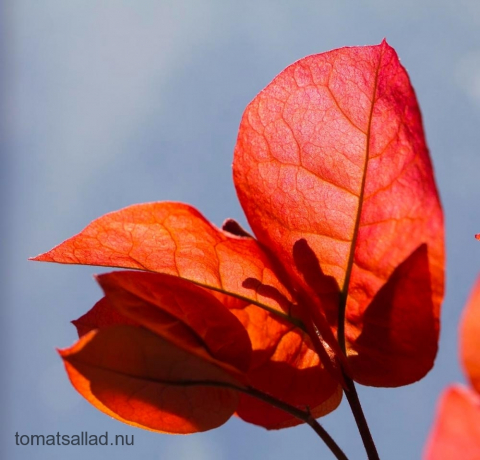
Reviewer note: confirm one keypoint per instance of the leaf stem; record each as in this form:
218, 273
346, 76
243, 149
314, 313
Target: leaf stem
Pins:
305, 416
350, 390
348, 384
361, 421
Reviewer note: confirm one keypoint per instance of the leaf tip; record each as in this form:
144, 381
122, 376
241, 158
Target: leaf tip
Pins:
40, 258
384, 45
63, 352
104, 280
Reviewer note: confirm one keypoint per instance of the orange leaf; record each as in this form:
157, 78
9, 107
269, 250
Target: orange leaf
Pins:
470, 337
175, 239
142, 379
456, 433
332, 154
457, 424
285, 365
149, 298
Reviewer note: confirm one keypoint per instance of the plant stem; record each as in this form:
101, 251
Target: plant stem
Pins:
361, 421
305, 416
349, 388
348, 384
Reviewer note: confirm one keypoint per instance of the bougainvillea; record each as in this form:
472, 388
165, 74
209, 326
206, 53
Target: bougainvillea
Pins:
457, 424
342, 280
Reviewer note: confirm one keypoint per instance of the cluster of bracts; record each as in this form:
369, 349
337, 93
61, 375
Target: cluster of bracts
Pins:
341, 280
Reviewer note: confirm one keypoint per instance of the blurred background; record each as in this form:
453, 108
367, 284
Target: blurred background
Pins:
110, 103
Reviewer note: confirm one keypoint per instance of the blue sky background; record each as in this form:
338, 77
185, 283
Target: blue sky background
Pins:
110, 103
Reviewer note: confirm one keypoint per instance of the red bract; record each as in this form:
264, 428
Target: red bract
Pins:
333, 173
333, 153
470, 338
457, 425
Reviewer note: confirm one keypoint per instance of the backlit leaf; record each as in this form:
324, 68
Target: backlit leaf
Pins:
284, 364
332, 153
400, 324
148, 298
175, 239
144, 380
456, 433
470, 337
